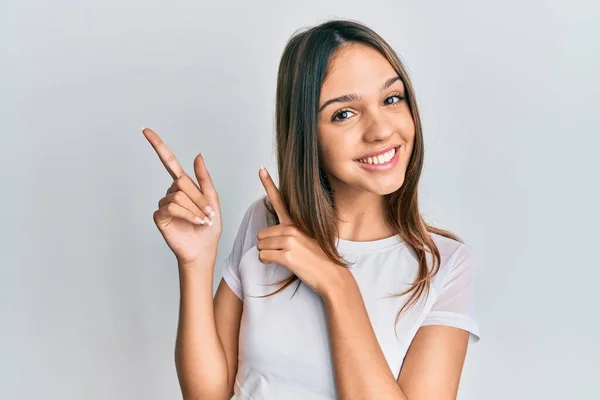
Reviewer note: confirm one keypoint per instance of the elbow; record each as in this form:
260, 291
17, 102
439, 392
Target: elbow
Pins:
209, 392
198, 386
205, 397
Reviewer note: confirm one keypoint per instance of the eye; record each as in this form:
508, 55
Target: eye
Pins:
392, 96
343, 113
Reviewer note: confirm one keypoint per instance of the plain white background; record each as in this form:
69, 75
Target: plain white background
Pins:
508, 93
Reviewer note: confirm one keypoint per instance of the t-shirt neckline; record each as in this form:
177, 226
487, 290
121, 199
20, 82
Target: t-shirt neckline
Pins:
349, 245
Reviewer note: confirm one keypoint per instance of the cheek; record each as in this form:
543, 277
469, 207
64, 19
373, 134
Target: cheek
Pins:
408, 130
337, 152
329, 150
324, 147
329, 159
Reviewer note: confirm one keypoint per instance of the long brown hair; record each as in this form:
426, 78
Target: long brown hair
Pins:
303, 183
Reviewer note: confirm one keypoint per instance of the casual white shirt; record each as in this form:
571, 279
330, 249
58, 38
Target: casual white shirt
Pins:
284, 346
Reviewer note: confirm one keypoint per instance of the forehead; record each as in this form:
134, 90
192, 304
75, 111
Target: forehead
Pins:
356, 68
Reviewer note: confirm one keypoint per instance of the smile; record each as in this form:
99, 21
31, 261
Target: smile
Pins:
381, 161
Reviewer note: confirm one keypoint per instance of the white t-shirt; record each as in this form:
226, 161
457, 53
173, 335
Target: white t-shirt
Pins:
284, 348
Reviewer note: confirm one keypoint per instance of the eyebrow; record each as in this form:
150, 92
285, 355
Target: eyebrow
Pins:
354, 96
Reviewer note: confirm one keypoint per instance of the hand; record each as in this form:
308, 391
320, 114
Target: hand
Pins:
285, 244
180, 212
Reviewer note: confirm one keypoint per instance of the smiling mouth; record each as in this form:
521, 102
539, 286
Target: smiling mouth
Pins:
380, 159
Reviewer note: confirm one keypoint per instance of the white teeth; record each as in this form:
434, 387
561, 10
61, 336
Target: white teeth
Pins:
380, 159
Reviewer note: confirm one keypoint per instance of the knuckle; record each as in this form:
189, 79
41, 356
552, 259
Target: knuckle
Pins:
179, 182
201, 203
170, 208
186, 178
179, 196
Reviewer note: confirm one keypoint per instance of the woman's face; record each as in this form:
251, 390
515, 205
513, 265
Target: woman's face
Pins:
376, 121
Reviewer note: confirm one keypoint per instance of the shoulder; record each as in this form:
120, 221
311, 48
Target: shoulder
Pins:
450, 248
256, 214
456, 258
253, 220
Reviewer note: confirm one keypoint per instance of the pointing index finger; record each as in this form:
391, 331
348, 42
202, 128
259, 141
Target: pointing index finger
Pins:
274, 195
164, 153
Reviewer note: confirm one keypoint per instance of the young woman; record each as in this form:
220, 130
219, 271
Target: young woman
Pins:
335, 286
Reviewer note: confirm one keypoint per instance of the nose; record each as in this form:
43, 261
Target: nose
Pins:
379, 129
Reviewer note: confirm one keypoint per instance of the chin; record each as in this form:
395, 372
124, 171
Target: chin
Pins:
384, 189
377, 185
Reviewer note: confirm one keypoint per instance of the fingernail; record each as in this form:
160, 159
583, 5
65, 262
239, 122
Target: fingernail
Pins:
199, 220
143, 129
210, 211
263, 170
210, 223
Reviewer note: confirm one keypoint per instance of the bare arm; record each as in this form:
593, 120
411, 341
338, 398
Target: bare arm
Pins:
432, 367
360, 369
228, 313
206, 347
434, 363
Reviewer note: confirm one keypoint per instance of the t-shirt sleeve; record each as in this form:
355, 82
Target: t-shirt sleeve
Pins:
244, 240
454, 305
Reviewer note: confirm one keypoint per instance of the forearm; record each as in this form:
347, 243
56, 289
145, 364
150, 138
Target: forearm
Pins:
361, 370
199, 356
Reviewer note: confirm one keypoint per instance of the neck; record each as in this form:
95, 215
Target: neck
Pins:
362, 216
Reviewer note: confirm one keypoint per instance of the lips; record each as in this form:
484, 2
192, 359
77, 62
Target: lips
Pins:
381, 162
377, 153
